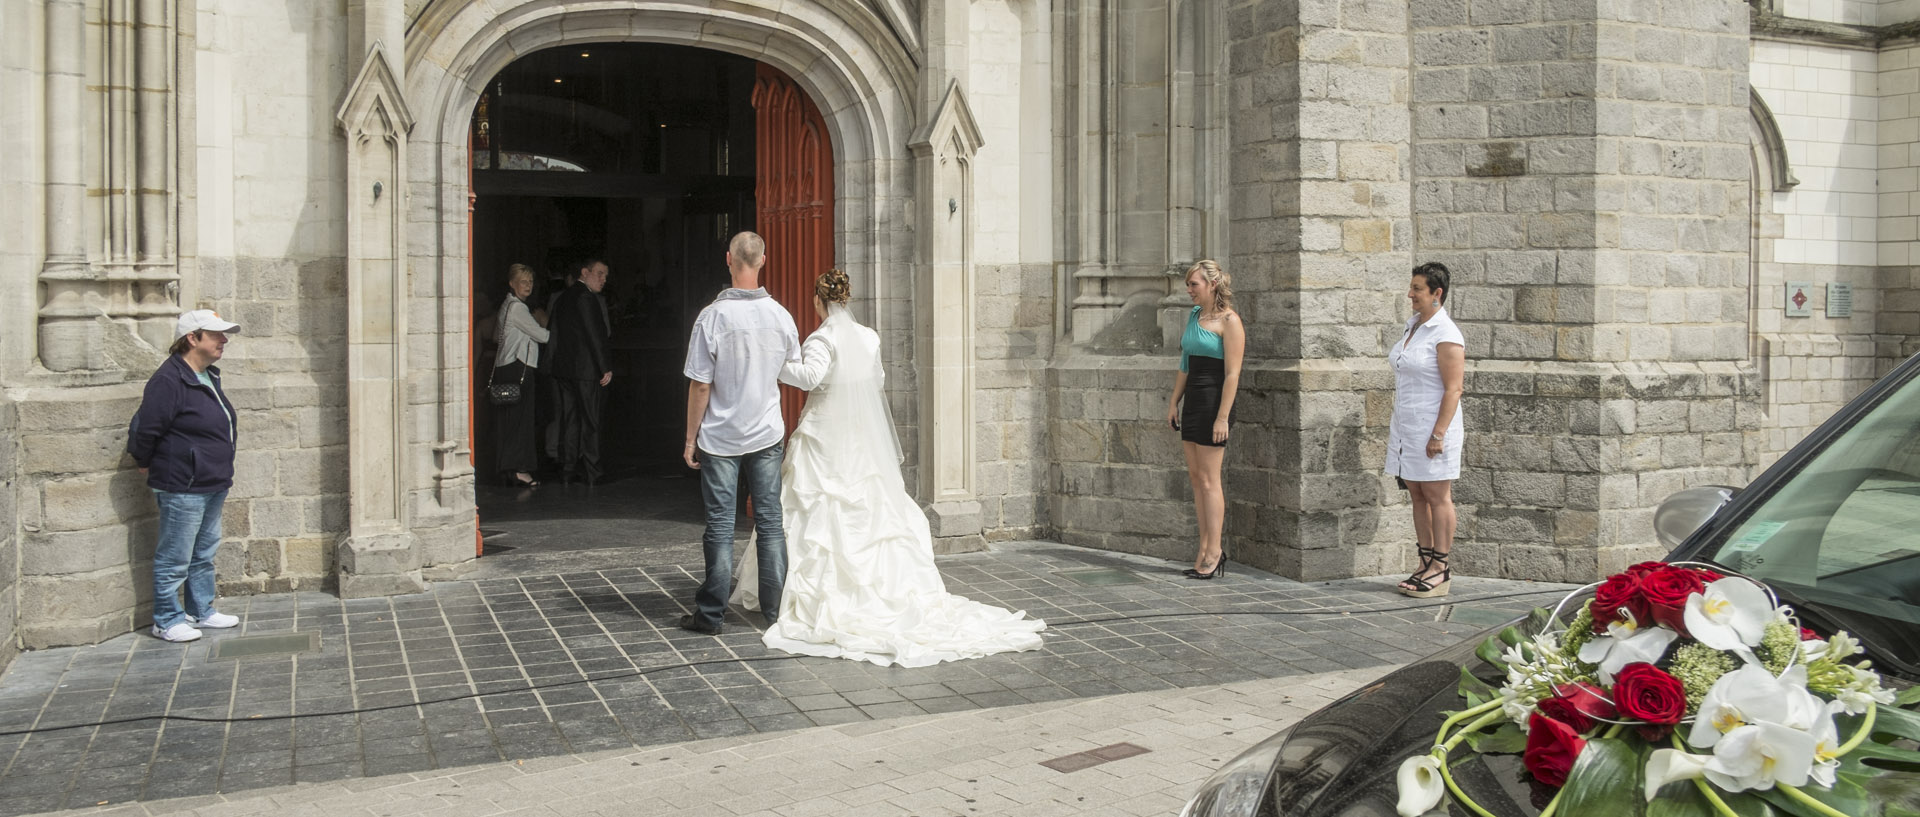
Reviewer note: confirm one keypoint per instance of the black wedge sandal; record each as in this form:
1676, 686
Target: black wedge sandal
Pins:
1419, 588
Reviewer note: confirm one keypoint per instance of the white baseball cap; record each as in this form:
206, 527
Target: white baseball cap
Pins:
202, 320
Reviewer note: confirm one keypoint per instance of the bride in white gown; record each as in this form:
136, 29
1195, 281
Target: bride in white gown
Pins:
861, 582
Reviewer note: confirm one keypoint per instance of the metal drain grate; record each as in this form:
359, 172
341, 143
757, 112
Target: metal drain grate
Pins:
275, 645
1101, 576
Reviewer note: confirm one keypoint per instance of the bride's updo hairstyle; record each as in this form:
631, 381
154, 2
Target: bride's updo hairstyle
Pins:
832, 287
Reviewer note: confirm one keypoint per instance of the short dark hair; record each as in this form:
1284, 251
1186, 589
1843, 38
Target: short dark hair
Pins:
588, 262
183, 344
1437, 278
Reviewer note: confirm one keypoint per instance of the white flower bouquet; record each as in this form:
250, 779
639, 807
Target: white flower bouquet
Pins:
1681, 692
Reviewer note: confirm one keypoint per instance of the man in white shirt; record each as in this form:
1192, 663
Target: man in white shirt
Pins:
734, 429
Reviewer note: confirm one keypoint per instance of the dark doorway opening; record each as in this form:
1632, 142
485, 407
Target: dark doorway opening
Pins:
643, 156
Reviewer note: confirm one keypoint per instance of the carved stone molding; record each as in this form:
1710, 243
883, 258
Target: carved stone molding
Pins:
379, 555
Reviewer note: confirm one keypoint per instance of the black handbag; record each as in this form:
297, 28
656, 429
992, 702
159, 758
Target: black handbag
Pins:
505, 394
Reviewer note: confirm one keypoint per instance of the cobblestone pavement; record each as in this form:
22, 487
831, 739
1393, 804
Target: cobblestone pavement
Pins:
1003, 761
522, 669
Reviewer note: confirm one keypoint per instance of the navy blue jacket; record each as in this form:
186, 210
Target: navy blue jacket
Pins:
181, 436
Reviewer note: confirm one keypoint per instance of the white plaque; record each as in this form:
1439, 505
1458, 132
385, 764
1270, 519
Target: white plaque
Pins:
1839, 300
1799, 299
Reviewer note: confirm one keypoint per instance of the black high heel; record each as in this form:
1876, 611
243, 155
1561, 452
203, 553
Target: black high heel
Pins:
1219, 568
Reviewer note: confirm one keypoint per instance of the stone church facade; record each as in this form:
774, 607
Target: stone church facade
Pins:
1623, 189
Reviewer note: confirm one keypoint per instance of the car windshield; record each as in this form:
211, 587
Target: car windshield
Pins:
1841, 535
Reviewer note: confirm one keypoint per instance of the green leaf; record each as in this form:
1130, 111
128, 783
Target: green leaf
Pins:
1899, 722
1490, 650
1541, 620
1605, 782
1908, 696
1683, 799
1900, 792
1846, 796
1512, 635
1474, 690
1506, 739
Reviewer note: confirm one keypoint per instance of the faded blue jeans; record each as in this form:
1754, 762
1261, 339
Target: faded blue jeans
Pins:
189, 537
720, 479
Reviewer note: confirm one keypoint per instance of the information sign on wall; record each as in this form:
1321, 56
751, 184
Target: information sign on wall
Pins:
1839, 300
1799, 299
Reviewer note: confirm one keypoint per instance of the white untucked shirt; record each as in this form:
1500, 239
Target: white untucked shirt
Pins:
1417, 392
739, 343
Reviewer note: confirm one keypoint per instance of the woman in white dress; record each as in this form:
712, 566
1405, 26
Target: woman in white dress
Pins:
1423, 439
861, 583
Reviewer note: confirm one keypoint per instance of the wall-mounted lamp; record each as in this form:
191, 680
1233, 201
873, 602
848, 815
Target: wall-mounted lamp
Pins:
376, 191
953, 206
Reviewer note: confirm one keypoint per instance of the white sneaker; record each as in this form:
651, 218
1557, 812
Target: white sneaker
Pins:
216, 621
178, 632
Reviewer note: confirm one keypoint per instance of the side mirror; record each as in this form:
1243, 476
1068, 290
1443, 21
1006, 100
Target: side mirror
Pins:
1684, 512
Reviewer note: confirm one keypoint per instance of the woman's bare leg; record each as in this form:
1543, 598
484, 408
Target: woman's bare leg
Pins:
1209, 500
1435, 526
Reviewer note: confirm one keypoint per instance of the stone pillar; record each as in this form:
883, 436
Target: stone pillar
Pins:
943, 149
1583, 169
1320, 253
380, 554
69, 336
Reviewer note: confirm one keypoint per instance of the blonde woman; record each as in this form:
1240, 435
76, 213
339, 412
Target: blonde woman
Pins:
1202, 405
520, 338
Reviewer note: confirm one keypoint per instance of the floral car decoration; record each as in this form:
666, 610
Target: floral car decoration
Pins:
1682, 692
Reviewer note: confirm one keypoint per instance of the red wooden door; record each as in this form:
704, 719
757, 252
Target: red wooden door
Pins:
793, 202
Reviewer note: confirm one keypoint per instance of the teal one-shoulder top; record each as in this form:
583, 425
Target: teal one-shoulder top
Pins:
1198, 341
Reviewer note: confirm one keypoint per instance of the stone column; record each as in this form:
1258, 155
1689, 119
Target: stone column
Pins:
380, 554
943, 150
1583, 171
69, 336
943, 146
1320, 253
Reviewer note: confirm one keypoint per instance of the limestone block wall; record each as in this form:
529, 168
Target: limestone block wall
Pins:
1584, 176
1009, 76
9, 526
1846, 121
272, 234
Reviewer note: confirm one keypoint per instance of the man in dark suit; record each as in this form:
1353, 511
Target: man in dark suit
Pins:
582, 366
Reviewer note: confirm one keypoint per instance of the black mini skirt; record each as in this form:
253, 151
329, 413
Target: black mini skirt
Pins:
1201, 405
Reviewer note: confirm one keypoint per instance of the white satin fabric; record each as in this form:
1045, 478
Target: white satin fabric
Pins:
861, 582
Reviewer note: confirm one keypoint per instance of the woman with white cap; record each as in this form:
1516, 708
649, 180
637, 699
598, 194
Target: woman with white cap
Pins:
183, 440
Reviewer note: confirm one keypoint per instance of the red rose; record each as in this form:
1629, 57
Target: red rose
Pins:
1645, 567
1578, 705
1644, 692
1552, 747
1619, 591
1808, 635
1666, 591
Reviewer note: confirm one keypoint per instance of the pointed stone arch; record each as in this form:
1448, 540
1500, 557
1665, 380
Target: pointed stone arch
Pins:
840, 52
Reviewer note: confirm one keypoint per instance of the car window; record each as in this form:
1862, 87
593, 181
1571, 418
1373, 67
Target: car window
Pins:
1845, 528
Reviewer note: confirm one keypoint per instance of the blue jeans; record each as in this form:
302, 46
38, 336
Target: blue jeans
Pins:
720, 479
189, 537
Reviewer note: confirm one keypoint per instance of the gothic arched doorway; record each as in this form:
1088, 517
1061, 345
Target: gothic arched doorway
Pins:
648, 157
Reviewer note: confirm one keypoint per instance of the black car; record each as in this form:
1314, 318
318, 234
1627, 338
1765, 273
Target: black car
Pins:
1833, 528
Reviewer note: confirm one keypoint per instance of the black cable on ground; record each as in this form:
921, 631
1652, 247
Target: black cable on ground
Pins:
755, 660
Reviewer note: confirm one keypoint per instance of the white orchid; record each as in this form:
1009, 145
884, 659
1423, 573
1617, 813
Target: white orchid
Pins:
1826, 750
1421, 786
1626, 643
1757, 756
1864, 690
1671, 765
1751, 695
1731, 615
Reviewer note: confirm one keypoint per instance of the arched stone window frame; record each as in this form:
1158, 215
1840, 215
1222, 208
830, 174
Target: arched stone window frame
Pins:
1772, 176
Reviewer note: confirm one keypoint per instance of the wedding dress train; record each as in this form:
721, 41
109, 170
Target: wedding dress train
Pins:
861, 581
